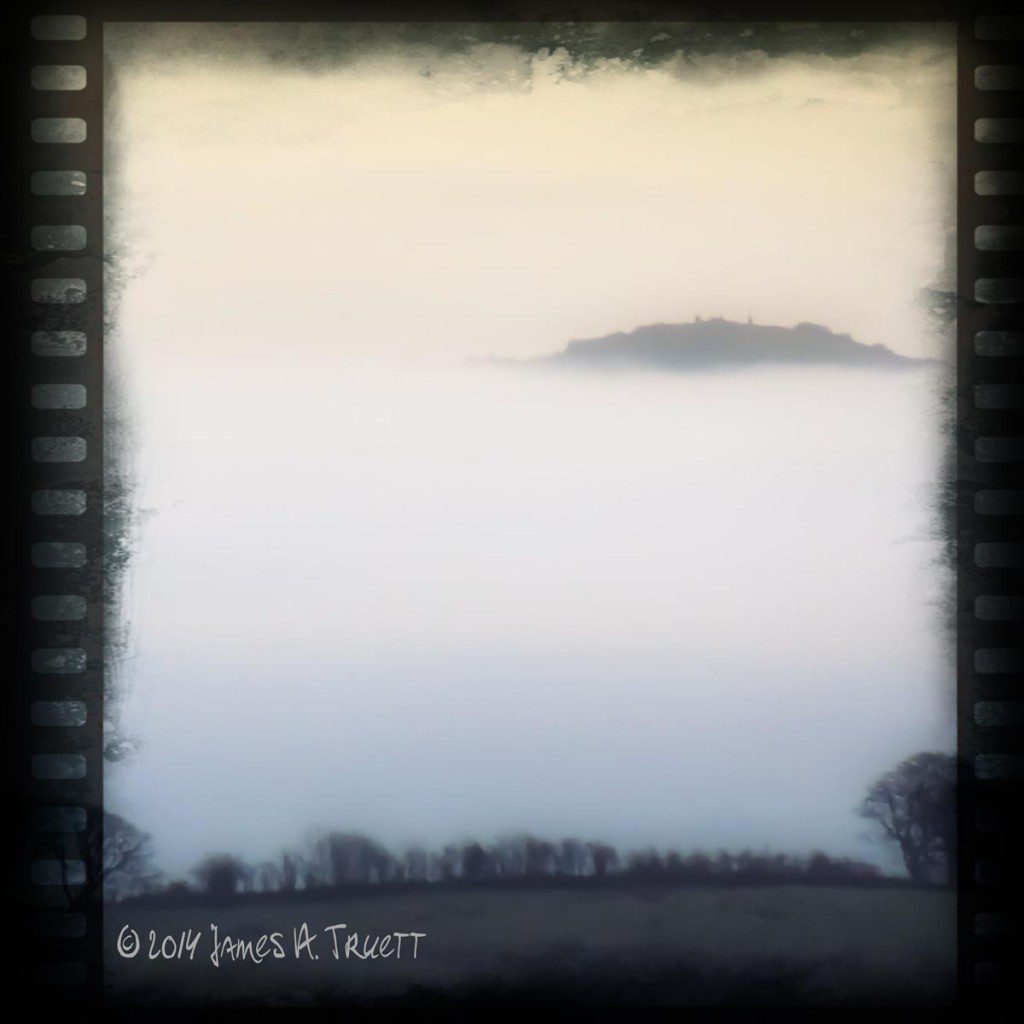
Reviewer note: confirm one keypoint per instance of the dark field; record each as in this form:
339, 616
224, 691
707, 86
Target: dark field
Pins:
614, 945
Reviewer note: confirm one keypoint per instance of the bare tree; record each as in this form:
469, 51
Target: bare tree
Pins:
475, 861
353, 858
510, 856
645, 863
219, 874
839, 870
117, 858
541, 857
915, 806
249, 878
698, 866
450, 863
128, 868
724, 864
573, 858
289, 873
604, 857
416, 865
267, 877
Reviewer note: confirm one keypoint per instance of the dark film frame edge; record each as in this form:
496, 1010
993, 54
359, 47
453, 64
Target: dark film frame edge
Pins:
990, 786
55, 341
988, 473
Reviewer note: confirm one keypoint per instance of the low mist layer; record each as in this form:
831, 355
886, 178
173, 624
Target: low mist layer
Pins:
422, 604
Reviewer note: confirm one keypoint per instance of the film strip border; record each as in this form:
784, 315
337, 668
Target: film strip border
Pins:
990, 470
61, 331
59, 334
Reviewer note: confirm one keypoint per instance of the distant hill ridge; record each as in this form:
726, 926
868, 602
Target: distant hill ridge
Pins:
715, 343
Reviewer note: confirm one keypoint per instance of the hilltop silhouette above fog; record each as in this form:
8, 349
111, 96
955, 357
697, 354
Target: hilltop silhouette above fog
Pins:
719, 343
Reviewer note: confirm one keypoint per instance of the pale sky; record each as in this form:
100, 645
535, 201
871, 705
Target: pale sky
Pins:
522, 202
379, 588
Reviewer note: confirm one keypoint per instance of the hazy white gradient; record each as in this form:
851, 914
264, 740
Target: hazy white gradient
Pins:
388, 591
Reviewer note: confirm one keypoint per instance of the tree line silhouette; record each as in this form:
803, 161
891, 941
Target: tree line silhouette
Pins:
338, 860
913, 806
